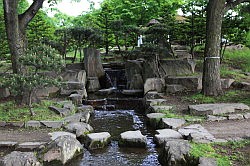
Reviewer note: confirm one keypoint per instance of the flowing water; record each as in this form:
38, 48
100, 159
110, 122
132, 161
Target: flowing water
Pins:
116, 122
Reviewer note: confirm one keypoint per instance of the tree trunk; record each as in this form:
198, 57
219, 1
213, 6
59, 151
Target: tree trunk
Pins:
211, 73
15, 28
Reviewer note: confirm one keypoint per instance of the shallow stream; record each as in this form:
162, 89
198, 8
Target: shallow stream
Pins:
116, 122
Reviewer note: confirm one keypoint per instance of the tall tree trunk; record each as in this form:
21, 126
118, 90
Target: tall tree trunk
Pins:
15, 28
211, 73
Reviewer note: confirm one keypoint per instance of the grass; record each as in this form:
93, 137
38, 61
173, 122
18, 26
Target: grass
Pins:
9, 111
238, 59
229, 96
207, 150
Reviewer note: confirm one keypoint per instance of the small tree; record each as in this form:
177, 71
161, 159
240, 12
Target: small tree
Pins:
36, 61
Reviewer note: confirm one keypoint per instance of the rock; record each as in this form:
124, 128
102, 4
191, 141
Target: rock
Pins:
132, 139
46, 92
15, 124
216, 109
93, 84
9, 144
133, 70
154, 84
174, 88
197, 133
64, 92
76, 99
79, 128
235, 117
4, 92
132, 92
61, 150
166, 135
161, 108
52, 124
176, 153
191, 83
78, 117
3, 123
226, 83
75, 76
60, 111
92, 63
29, 146
153, 102
85, 108
246, 86
97, 140
171, 123
153, 95
154, 119
57, 134
73, 85
105, 92
70, 106
17, 158
35, 124
215, 118
204, 161
246, 116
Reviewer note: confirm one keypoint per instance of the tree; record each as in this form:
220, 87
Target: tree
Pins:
211, 73
37, 60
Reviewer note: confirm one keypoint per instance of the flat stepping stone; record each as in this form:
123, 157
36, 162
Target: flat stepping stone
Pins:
35, 124
154, 119
57, 134
165, 135
132, 139
215, 118
197, 133
205, 161
97, 140
132, 92
160, 108
29, 145
235, 117
8, 144
153, 102
52, 124
171, 123
216, 109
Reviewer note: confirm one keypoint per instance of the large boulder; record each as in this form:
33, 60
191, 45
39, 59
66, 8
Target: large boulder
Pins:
61, 150
92, 63
154, 84
132, 139
176, 153
133, 70
192, 83
17, 158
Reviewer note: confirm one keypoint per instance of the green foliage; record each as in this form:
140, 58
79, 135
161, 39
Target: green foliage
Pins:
11, 112
38, 59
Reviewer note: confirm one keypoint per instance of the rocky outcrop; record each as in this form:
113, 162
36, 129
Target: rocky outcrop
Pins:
61, 150
17, 158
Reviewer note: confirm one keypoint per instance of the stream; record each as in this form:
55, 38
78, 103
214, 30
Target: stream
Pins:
116, 122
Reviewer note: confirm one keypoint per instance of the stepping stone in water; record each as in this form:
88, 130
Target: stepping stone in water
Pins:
216, 109
154, 119
132, 139
166, 134
97, 140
